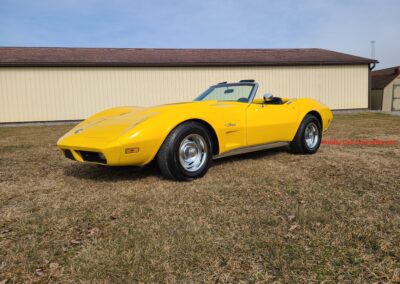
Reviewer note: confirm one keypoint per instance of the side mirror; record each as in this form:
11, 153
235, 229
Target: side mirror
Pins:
267, 96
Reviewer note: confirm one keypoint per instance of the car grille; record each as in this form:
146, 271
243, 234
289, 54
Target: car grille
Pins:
96, 157
68, 154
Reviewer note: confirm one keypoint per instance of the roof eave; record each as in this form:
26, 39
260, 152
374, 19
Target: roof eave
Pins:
177, 64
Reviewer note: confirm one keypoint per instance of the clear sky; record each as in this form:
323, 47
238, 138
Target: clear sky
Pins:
342, 25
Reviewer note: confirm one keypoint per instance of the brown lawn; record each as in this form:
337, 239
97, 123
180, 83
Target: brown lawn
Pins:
267, 216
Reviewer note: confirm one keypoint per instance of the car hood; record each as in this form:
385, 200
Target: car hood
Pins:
112, 123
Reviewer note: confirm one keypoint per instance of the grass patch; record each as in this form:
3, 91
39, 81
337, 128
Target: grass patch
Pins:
267, 216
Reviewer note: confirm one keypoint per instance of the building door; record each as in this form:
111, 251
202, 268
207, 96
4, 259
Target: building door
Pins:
396, 98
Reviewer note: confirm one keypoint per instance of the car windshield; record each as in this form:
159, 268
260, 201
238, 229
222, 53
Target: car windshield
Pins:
234, 93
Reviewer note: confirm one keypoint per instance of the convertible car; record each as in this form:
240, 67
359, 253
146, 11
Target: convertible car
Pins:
225, 120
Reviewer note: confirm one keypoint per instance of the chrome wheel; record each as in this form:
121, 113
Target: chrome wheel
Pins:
311, 135
193, 152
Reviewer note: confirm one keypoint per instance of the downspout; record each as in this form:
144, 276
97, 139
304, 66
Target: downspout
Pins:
370, 68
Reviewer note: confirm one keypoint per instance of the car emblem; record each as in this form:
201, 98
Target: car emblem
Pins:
230, 124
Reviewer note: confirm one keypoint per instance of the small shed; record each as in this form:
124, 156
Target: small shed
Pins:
385, 89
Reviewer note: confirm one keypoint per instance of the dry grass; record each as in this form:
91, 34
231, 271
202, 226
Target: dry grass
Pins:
269, 216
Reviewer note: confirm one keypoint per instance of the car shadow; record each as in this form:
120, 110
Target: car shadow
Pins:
104, 173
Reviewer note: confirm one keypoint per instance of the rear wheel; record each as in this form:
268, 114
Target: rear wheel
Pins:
308, 136
186, 152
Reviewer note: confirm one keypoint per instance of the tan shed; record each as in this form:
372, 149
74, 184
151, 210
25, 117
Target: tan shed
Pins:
385, 94
50, 84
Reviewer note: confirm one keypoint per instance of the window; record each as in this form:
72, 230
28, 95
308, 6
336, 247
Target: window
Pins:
235, 93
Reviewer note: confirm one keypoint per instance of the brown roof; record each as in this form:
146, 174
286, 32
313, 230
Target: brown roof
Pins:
49, 56
381, 78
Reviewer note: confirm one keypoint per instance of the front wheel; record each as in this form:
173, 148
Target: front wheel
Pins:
186, 152
308, 136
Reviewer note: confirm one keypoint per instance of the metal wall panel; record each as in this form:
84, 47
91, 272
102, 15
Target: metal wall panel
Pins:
62, 93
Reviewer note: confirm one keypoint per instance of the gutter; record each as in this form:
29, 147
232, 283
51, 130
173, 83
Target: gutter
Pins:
372, 66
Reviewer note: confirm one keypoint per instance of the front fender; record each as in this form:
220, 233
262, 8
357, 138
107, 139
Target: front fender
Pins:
149, 136
306, 106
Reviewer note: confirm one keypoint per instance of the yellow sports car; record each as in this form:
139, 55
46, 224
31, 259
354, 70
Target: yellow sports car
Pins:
184, 138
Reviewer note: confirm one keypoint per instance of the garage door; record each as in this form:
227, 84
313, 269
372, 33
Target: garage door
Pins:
396, 97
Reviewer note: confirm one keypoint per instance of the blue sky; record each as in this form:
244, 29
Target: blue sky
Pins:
341, 25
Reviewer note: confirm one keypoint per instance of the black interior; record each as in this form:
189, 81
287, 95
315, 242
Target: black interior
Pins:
243, 100
273, 101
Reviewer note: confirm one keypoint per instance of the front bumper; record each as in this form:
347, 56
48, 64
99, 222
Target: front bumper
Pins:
90, 150
103, 152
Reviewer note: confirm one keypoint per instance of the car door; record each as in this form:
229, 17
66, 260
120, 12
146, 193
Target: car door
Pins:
268, 123
229, 119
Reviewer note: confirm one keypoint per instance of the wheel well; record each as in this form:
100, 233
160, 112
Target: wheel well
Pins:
214, 137
317, 115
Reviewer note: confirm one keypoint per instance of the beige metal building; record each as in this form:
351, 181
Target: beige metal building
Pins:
50, 84
385, 94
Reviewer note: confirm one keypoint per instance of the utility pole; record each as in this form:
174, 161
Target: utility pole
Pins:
372, 49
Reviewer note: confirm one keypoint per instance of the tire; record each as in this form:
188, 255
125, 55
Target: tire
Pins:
186, 153
303, 143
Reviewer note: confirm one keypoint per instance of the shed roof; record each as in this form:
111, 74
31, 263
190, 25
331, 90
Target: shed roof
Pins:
60, 56
381, 78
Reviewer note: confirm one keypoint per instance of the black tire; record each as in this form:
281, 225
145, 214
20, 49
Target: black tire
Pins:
168, 157
299, 144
